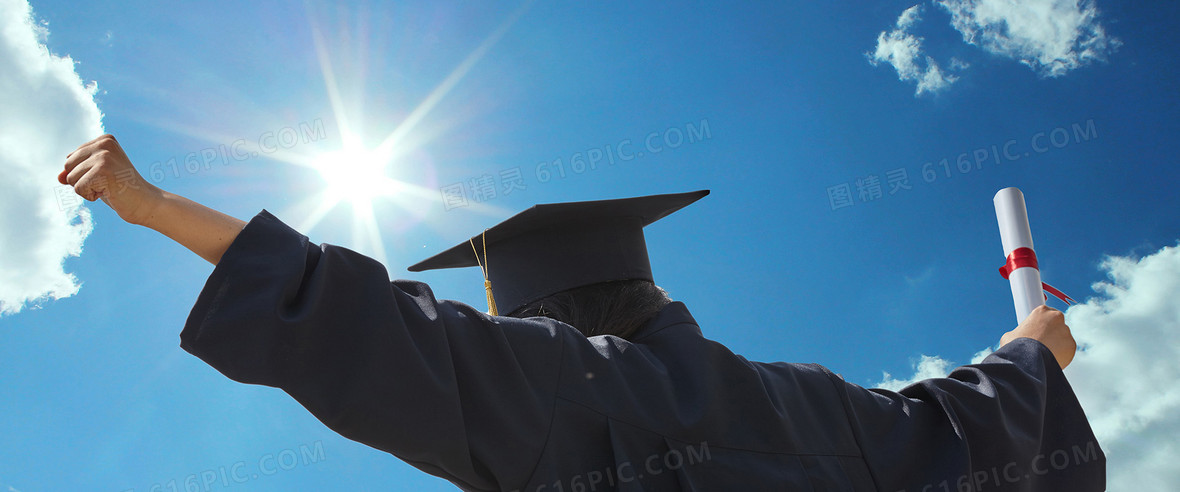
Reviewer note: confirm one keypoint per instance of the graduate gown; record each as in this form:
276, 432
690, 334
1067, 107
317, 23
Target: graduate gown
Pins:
497, 403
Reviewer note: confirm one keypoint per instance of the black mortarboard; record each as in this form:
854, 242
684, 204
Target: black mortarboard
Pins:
554, 247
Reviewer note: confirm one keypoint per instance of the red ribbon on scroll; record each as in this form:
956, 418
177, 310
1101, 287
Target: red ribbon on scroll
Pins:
1026, 257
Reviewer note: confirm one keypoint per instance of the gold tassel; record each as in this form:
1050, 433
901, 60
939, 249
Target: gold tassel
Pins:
487, 286
483, 267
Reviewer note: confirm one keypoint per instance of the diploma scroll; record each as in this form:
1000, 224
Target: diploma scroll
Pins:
1015, 233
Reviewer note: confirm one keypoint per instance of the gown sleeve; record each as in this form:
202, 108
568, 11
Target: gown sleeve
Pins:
438, 384
1010, 423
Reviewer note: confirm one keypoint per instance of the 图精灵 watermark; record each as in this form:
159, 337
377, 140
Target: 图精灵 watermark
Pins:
609, 478
873, 187
1012, 473
489, 186
240, 472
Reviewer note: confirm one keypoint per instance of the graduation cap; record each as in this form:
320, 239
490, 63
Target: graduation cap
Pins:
554, 247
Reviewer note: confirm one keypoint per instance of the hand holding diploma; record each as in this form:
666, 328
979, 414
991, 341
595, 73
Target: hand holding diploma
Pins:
1016, 237
1036, 321
1046, 325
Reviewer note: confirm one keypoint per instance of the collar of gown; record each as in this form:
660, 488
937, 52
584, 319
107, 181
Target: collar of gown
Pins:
674, 314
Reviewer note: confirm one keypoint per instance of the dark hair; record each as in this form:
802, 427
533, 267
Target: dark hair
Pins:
618, 308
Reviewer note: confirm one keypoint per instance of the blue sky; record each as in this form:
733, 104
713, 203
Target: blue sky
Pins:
773, 107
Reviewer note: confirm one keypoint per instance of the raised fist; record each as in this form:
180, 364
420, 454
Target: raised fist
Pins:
100, 169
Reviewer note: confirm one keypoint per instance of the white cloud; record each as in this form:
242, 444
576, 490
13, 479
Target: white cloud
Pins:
1127, 375
909, 17
1050, 36
921, 278
903, 50
48, 112
926, 368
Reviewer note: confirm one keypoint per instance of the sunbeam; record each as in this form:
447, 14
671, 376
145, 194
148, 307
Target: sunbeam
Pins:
391, 142
359, 175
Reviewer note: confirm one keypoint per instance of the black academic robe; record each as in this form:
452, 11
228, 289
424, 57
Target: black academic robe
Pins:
495, 403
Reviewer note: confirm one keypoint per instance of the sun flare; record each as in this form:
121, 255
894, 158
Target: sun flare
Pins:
373, 179
353, 175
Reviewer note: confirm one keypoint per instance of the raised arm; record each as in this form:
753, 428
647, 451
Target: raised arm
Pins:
1046, 325
100, 169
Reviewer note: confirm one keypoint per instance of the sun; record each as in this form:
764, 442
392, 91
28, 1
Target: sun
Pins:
382, 184
378, 183
360, 177
357, 176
